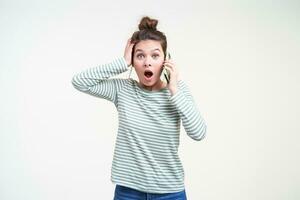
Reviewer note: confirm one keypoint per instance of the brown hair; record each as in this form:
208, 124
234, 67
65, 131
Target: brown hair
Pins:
148, 31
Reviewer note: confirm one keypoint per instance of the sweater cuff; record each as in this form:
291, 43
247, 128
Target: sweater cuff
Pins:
123, 62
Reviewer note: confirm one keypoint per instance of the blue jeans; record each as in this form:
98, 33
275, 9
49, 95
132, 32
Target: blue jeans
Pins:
126, 193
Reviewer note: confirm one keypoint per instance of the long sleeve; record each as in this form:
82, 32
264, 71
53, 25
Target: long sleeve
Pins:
95, 81
192, 120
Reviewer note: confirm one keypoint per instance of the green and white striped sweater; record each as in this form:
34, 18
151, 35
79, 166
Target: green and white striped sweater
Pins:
146, 151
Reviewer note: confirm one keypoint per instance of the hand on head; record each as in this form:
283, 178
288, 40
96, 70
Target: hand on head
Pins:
128, 51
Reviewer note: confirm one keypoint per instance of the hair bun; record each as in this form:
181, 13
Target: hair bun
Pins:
148, 23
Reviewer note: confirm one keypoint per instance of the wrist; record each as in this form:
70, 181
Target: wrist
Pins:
127, 62
173, 90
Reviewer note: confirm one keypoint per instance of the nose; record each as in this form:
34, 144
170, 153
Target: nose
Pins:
147, 62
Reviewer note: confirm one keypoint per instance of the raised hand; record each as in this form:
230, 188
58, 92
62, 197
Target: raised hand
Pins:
174, 76
128, 51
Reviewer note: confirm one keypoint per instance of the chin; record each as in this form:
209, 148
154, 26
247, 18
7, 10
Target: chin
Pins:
150, 83
147, 84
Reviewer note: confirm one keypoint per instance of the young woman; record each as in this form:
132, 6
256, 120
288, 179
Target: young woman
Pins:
146, 164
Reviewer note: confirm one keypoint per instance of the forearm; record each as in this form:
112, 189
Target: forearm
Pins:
192, 121
92, 76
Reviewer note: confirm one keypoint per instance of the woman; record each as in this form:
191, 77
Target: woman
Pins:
146, 163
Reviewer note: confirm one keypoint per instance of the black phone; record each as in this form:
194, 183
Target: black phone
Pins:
165, 73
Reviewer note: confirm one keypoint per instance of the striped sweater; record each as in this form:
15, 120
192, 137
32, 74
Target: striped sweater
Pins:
146, 150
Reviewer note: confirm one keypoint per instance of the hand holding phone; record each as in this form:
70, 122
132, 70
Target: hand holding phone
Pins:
165, 72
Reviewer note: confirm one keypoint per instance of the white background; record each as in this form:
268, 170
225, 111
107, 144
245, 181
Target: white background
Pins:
239, 58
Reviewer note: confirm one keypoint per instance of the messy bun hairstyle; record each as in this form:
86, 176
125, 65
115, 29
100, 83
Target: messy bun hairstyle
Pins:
148, 31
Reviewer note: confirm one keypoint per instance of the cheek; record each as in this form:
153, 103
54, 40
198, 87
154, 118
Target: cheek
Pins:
137, 62
160, 63
138, 68
159, 66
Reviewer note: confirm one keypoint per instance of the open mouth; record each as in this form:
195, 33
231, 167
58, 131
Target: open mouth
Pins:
148, 73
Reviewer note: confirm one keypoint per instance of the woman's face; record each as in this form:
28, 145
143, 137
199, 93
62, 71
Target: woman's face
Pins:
148, 62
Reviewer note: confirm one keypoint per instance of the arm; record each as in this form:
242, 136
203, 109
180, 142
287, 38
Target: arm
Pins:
95, 81
192, 120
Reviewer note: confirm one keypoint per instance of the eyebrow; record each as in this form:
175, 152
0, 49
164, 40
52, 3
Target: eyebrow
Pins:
142, 50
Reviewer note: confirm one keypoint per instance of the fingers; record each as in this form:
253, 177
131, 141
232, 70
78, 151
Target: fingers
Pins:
129, 44
171, 67
169, 64
169, 61
128, 51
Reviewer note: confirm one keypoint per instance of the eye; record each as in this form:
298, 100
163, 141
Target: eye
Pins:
155, 55
139, 55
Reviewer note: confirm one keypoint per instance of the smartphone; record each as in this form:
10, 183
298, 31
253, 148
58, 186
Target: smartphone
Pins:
165, 75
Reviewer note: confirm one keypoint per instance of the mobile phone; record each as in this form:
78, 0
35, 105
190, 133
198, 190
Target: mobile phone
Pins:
165, 73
